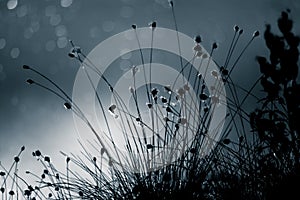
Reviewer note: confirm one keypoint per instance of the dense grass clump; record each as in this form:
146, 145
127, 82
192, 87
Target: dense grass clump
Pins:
255, 157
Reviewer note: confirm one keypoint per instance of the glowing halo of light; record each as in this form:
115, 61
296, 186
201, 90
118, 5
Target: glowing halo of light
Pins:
105, 53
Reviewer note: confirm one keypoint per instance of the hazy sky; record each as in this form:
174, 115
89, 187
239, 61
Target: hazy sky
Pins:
35, 32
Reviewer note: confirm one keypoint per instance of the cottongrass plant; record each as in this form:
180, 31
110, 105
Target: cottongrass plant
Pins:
172, 153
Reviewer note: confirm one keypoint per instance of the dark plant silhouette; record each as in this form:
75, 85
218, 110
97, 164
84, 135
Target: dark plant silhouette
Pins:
276, 121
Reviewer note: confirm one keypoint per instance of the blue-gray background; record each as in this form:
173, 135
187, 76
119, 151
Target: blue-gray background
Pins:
35, 32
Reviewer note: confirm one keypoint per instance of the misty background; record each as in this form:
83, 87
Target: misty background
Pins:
36, 33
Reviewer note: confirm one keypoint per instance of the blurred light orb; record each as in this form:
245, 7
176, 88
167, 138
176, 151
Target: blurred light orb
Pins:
2, 43
50, 45
55, 19
28, 32
35, 26
61, 30
15, 52
12, 4
66, 3
62, 42
22, 11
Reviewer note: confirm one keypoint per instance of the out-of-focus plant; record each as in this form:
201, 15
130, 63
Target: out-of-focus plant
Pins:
276, 122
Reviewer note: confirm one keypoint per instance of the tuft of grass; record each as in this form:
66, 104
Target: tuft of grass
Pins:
255, 157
